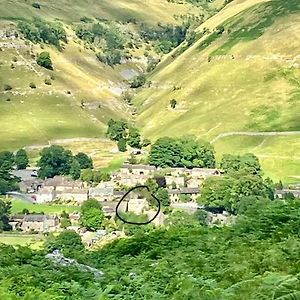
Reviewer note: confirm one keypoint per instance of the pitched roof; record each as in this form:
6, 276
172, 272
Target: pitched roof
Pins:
38, 218
184, 191
141, 167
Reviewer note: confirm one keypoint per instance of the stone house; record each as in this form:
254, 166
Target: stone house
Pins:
102, 193
78, 195
193, 193
60, 187
137, 206
45, 194
38, 223
177, 181
28, 186
178, 171
137, 169
193, 183
204, 172
62, 183
280, 193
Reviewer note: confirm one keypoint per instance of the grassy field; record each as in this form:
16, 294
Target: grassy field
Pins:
34, 241
254, 87
19, 205
279, 156
121, 10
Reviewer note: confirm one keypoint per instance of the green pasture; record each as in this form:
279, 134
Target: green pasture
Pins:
19, 205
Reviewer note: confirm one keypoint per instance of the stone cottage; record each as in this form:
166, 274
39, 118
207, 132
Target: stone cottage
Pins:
193, 193
37, 222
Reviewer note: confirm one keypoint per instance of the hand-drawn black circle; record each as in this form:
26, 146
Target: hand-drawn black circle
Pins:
135, 223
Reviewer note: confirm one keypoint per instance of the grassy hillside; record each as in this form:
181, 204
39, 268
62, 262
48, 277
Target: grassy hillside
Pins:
244, 79
37, 115
121, 10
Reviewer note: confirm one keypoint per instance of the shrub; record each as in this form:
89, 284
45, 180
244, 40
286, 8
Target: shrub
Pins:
44, 60
32, 85
36, 5
173, 103
48, 81
7, 87
138, 81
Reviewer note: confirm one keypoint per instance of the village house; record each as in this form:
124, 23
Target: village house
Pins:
175, 182
137, 205
35, 222
193, 193
77, 195
281, 193
60, 187
193, 183
45, 194
61, 183
31, 185
102, 193
137, 169
204, 172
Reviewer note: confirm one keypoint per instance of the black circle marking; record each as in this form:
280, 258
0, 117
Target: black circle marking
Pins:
135, 223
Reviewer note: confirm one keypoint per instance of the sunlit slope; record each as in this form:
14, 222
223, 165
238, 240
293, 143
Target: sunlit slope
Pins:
148, 11
246, 79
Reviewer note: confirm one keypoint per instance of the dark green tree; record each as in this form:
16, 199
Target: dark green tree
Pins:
84, 161
44, 60
21, 159
64, 220
91, 215
75, 169
134, 138
181, 152
67, 242
5, 208
173, 103
247, 163
122, 145
55, 160
116, 129
138, 81
163, 195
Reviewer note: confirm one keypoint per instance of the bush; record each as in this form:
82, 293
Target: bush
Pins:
36, 5
7, 87
138, 81
48, 81
32, 85
44, 60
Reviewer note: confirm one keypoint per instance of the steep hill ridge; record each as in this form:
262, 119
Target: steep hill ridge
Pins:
245, 78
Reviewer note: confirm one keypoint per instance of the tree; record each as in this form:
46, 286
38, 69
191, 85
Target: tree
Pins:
21, 159
173, 103
122, 145
36, 5
182, 152
75, 170
116, 129
8, 182
67, 242
247, 163
84, 161
134, 138
55, 160
5, 208
163, 195
44, 60
138, 81
65, 220
226, 192
146, 142
91, 215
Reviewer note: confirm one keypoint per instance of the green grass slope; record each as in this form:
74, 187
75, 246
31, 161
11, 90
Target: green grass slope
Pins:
246, 79
35, 116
